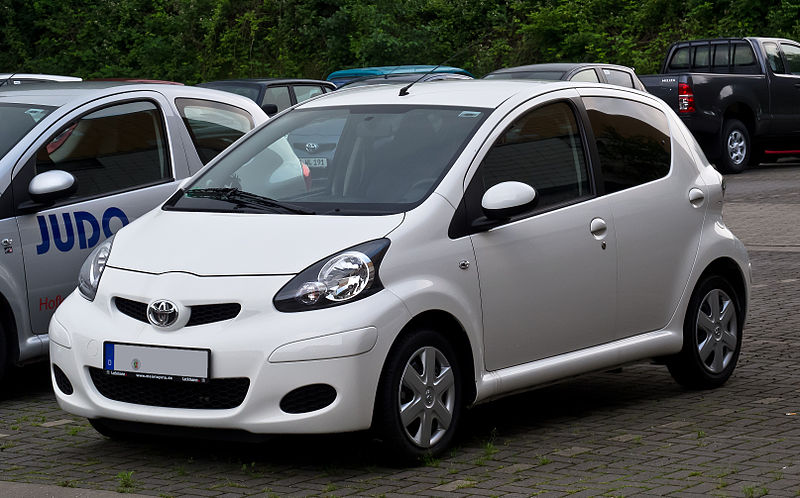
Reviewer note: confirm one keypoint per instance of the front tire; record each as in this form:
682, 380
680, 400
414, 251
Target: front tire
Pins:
712, 336
736, 147
419, 399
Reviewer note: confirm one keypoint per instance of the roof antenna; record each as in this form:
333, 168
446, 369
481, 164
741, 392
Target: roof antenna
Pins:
7, 79
404, 90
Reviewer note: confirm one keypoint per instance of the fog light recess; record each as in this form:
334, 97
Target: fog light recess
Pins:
308, 398
62, 381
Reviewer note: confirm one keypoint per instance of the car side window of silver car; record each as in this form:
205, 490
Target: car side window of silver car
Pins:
632, 141
113, 149
543, 149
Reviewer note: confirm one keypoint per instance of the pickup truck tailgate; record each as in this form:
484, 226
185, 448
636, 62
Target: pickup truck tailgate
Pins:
664, 87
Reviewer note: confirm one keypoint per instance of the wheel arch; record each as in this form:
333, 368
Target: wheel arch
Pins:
452, 329
744, 113
731, 271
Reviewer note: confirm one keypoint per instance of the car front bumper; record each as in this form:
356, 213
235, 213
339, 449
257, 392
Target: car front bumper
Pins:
343, 346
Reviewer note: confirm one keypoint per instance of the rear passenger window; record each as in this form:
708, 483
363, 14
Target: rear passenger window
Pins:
701, 58
620, 78
543, 149
792, 53
213, 126
744, 61
680, 59
632, 141
114, 149
721, 57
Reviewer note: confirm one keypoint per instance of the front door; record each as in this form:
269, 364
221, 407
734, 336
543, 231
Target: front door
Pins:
119, 155
548, 276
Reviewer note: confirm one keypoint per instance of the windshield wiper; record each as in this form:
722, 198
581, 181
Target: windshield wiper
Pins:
245, 199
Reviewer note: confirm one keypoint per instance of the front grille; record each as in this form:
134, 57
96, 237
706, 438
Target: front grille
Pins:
199, 315
216, 394
62, 381
133, 309
308, 398
210, 313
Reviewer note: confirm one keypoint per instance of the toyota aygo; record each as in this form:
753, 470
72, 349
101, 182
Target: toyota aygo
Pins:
470, 239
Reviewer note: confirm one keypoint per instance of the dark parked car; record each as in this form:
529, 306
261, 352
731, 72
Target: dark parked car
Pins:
572, 71
740, 97
282, 93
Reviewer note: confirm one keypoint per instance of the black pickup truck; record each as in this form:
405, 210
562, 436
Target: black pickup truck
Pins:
740, 97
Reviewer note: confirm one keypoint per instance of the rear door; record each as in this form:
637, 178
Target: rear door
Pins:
647, 180
123, 157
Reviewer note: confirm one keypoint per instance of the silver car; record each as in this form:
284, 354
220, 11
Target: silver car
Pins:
78, 161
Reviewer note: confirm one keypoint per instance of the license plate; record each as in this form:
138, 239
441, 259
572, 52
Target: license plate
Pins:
156, 362
315, 162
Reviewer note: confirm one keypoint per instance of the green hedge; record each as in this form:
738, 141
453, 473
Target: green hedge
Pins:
201, 40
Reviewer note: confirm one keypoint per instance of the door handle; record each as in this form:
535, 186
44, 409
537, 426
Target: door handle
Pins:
598, 228
696, 197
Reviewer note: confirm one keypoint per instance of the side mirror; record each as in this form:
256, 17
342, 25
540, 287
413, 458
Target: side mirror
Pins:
507, 199
47, 187
270, 109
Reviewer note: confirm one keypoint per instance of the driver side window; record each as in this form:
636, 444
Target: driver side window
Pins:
543, 148
113, 149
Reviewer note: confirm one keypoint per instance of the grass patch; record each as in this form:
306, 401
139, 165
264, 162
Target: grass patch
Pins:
126, 483
754, 492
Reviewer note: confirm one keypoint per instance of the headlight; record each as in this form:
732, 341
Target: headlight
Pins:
92, 269
346, 276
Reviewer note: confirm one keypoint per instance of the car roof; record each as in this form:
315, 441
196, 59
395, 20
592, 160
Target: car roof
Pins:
470, 93
33, 76
557, 66
59, 94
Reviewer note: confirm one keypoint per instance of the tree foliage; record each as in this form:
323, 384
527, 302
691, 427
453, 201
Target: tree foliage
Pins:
201, 40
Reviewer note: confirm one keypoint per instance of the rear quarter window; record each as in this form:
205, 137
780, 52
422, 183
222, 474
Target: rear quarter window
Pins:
632, 140
680, 59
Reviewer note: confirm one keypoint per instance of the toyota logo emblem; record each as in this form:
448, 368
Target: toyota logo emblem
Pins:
311, 147
162, 313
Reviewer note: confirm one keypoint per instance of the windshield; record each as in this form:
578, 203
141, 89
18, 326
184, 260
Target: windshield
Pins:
355, 160
526, 75
18, 120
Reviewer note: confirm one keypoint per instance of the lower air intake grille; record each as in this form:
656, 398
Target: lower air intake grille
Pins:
200, 314
62, 381
308, 398
216, 394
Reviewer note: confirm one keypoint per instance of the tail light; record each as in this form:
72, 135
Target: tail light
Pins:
685, 98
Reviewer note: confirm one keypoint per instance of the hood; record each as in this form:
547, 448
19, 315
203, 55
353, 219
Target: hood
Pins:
207, 244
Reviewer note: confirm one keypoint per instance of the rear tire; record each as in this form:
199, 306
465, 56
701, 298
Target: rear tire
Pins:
736, 147
419, 399
712, 336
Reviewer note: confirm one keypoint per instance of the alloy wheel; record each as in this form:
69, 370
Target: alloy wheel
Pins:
737, 146
427, 396
716, 331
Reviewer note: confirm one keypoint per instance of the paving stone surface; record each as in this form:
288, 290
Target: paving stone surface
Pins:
628, 433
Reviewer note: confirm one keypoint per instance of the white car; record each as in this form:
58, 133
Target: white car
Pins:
472, 239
